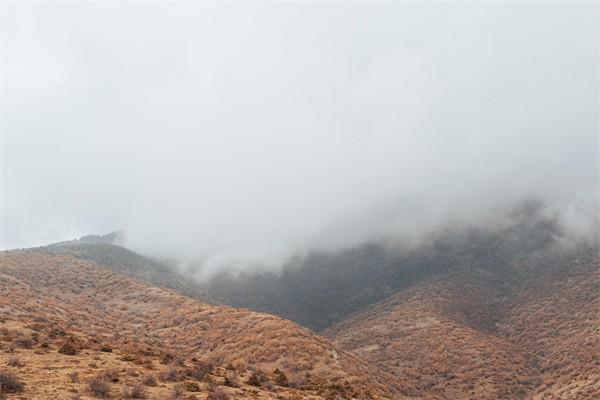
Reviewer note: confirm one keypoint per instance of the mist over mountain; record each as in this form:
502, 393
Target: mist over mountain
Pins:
235, 136
299, 200
318, 288
504, 310
321, 288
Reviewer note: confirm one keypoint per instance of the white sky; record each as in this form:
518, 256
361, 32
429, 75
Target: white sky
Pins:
242, 133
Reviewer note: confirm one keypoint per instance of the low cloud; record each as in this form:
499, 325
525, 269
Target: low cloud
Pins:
239, 135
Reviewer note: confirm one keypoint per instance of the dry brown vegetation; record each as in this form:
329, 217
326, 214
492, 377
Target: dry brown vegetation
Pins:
59, 314
557, 320
458, 338
10, 383
70, 329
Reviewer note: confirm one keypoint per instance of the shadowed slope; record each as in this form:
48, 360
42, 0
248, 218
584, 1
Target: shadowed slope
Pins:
323, 288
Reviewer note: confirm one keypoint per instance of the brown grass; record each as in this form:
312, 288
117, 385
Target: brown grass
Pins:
99, 387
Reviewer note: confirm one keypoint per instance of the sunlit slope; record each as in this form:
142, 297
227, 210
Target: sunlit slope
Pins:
55, 300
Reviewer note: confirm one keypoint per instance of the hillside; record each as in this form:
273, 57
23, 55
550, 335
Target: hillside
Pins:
557, 319
105, 250
460, 338
323, 288
509, 311
67, 320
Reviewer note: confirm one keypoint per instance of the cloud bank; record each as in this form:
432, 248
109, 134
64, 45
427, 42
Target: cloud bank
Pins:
245, 133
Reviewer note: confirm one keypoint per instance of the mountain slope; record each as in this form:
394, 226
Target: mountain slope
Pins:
57, 300
104, 251
323, 288
557, 319
458, 337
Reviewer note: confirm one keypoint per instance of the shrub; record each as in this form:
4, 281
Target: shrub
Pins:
166, 358
24, 342
74, 376
111, 375
56, 332
136, 391
201, 370
177, 392
231, 380
149, 380
68, 349
190, 386
99, 387
169, 375
10, 348
281, 378
179, 361
15, 362
257, 378
9, 383
253, 380
217, 394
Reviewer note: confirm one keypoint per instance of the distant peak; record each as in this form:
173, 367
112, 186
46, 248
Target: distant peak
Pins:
115, 237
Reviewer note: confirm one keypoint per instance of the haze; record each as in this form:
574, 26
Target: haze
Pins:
242, 134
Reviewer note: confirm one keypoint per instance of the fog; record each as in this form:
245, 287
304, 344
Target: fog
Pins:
242, 134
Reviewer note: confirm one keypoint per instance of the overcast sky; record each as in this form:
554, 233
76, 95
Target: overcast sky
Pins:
243, 133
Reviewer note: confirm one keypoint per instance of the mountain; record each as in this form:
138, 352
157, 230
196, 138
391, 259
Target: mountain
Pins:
556, 317
507, 310
71, 328
457, 338
323, 288
105, 250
